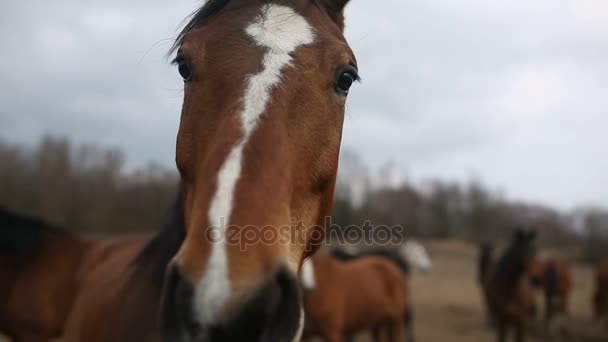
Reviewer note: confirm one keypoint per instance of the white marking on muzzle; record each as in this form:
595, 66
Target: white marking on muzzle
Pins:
280, 30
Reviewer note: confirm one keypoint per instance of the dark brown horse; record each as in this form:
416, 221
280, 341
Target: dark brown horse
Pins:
265, 86
342, 298
507, 289
600, 296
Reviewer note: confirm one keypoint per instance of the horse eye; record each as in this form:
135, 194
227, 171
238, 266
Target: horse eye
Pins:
184, 68
345, 80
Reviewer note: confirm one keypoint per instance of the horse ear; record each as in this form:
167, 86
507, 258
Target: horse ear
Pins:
335, 10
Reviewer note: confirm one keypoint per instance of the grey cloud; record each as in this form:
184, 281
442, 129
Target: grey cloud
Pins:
511, 91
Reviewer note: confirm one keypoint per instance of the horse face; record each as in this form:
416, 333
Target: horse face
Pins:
257, 150
525, 243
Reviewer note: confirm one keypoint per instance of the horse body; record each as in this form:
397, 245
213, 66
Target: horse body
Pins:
106, 296
557, 286
265, 86
49, 277
507, 290
364, 294
37, 283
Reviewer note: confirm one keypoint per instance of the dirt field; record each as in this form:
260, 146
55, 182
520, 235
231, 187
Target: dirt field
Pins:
448, 306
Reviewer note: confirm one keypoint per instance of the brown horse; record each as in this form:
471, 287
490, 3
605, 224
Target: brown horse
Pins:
342, 298
42, 270
265, 85
600, 297
507, 289
37, 282
557, 285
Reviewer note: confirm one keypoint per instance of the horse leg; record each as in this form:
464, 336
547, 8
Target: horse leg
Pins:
377, 333
520, 330
349, 338
333, 336
501, 332
397, 329
30, 337
409, 325
380, 332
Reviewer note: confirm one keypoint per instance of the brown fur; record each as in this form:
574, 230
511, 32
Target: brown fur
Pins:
290, 162
289, 166
36, 296
552, 280
353, 296
563, 286
508, 292
100, 304
44, 290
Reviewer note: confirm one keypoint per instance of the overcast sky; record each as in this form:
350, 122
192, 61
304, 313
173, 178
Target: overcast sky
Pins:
513, 92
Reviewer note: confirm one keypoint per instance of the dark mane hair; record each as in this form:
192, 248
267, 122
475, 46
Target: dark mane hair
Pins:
198, 19
484, 262
513, 263
390, 254
22, 236
155, 256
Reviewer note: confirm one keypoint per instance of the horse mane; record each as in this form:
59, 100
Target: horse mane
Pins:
390, 254
22, 236
509, 267
485, 262
156, 255
198, 19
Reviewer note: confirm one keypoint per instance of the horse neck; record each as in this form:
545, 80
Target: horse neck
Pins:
510, 269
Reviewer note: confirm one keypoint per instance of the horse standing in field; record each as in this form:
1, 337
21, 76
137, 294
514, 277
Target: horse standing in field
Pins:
342, 298
265, 85
600, 296
506, 286
411, 253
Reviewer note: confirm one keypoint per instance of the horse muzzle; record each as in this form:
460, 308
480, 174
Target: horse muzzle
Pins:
273, 313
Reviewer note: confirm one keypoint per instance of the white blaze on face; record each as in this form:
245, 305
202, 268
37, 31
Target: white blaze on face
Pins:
279, 30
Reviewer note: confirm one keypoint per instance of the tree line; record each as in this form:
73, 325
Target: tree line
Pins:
90, 190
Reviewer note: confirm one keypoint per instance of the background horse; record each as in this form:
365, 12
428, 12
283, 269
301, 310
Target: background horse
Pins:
43, 269
557, 285
39, 276
342, 298
600, 297
506, 286
265, 85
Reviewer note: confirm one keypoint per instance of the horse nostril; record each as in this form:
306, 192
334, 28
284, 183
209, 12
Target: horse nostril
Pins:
177, 318
273, 314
